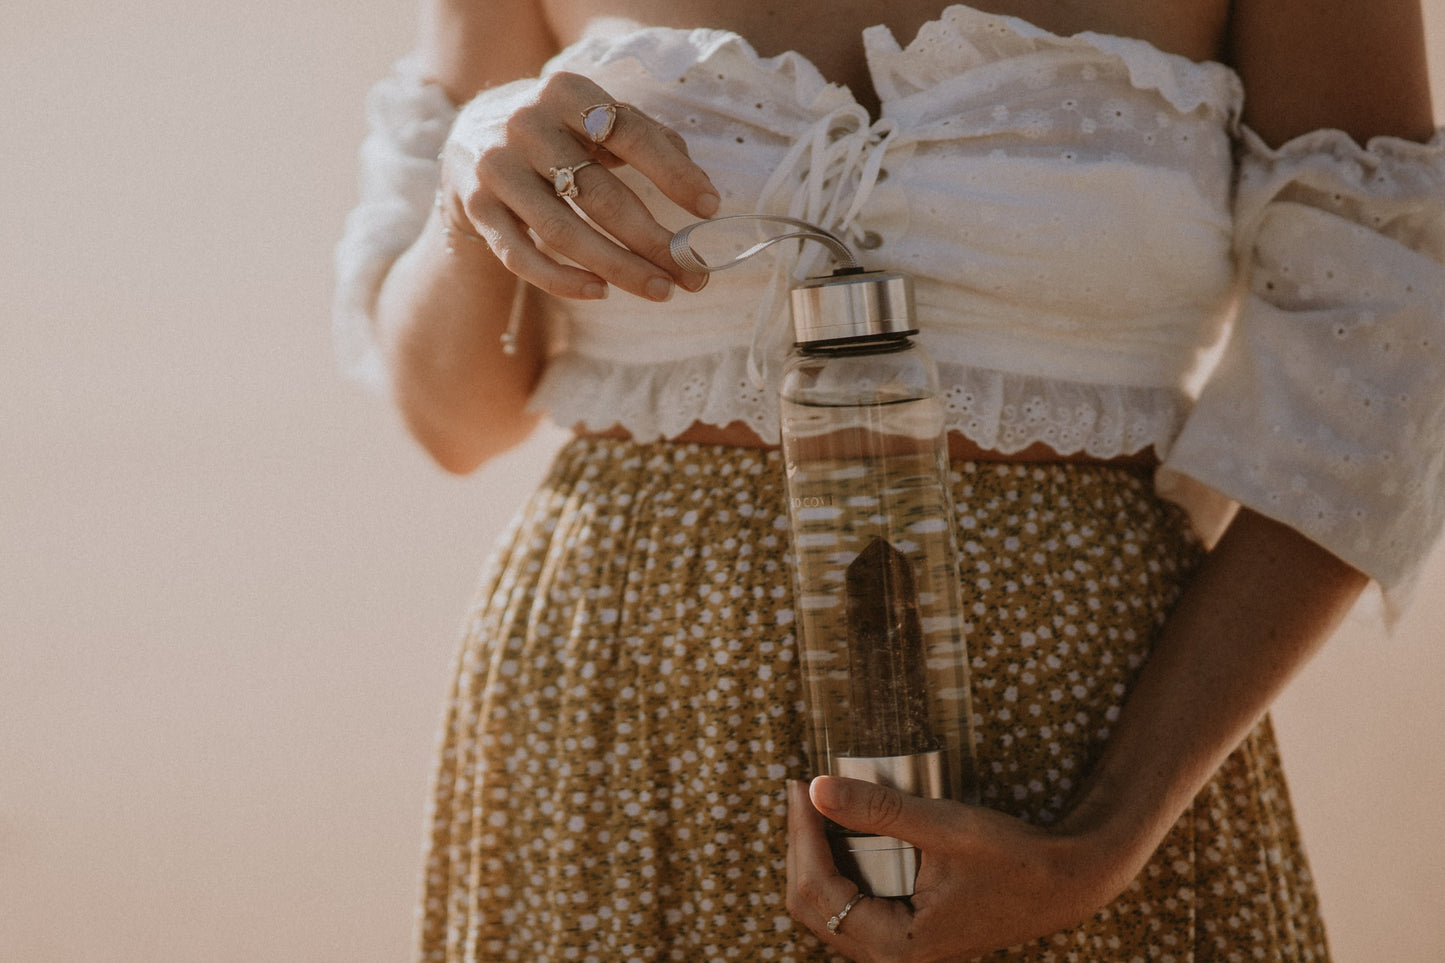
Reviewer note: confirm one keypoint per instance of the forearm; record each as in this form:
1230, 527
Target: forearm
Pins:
1262, 604
440, 317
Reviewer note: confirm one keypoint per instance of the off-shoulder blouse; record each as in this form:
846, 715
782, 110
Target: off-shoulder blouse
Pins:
1085, 221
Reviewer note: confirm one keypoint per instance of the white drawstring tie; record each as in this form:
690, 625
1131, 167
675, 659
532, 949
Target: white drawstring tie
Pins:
826, 178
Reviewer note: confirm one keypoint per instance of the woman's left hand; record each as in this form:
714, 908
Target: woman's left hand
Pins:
986, 881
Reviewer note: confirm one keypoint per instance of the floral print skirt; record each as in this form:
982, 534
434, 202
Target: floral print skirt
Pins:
627, 709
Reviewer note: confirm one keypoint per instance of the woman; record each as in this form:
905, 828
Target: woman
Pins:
1070, 185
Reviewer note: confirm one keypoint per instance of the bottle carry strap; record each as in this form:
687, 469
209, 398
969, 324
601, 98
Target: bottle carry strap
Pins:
689, 260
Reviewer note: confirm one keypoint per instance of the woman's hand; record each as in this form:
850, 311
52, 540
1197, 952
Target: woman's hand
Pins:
986, 881
496, 174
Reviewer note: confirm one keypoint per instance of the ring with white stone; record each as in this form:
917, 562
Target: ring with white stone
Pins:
564, 179
599, 119
836, 922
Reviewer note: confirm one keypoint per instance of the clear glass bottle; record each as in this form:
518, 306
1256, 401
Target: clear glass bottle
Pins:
878, 599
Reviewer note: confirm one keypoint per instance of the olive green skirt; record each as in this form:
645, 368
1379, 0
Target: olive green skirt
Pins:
627, 709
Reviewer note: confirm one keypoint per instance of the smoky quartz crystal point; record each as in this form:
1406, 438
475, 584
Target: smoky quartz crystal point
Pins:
887, 661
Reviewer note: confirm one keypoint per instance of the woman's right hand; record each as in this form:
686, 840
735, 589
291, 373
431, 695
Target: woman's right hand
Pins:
496, 181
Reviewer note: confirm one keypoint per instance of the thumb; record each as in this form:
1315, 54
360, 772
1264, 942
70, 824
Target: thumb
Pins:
866, 807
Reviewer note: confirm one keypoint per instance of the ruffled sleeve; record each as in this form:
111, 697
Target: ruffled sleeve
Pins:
1327, 409
408, 121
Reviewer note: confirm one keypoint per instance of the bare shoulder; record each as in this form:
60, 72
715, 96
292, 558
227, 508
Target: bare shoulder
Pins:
1356, 65
470, 45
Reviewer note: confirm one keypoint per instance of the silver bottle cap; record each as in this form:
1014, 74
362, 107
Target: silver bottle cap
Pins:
844, 306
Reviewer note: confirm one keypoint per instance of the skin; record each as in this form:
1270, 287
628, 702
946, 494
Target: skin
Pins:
1266, 598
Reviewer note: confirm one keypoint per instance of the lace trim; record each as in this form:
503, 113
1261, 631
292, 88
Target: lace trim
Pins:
668, 53
998, 410
1186, 84
1371, 184
1008, 412
1396, 155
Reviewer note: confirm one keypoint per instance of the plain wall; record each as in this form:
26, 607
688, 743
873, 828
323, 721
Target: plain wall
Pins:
229, 585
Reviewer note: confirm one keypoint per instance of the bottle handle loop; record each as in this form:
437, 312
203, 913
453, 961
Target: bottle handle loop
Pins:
689, 260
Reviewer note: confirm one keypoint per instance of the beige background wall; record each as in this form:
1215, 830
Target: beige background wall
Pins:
228, 584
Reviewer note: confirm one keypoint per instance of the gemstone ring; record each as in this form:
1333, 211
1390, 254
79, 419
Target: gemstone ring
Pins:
564, 179
599, 119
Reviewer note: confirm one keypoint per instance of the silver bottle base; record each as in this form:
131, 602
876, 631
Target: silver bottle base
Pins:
882, 865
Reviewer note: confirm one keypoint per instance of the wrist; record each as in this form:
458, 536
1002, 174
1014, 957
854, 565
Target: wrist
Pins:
1113, 832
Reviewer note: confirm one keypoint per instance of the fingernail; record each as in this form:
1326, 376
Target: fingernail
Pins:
828, 793
593, 291
708, 204
694, 282
659, 289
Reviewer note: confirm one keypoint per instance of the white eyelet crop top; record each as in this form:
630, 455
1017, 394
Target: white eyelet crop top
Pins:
1084, 219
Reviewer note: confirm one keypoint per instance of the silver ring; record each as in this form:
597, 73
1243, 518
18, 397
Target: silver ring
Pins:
564, 179
836, 922
599, 119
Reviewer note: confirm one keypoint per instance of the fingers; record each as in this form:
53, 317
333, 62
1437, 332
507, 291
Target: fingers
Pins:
638, 260
810, 858
632, 265
660, 154
866, 807
819, 895
515, 165
816, 890
611, 204
509, 240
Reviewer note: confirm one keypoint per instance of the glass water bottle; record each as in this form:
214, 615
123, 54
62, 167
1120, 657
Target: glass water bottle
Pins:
878, 599
879, 609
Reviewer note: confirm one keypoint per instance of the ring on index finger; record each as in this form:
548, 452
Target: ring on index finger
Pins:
599, 119
564, 179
